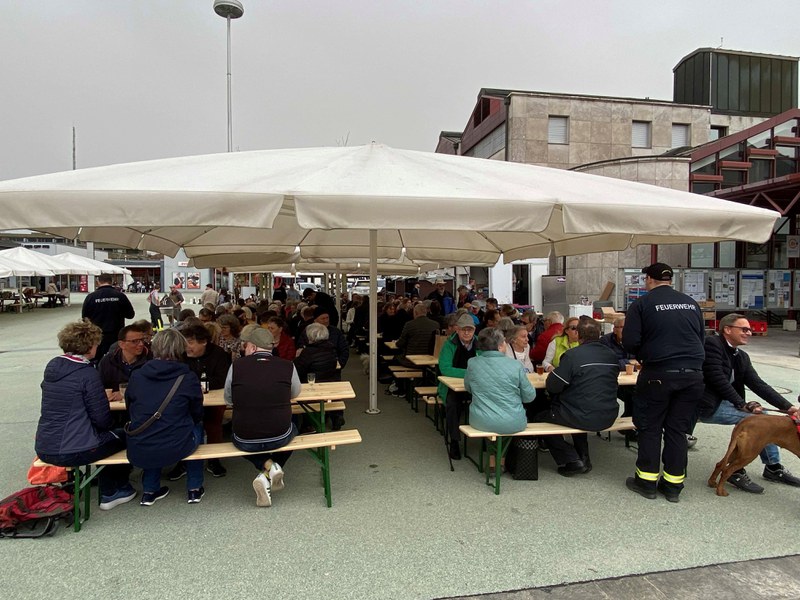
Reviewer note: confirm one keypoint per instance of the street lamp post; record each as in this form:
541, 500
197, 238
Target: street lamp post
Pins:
229, 9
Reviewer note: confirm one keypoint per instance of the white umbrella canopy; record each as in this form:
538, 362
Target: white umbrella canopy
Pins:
326, 200
260, 207
89, 266
295, 262
16, 269
24, 262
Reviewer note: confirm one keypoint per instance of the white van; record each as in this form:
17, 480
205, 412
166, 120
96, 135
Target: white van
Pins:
361, 287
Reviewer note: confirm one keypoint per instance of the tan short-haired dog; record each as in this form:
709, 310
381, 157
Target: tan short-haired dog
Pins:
748, 439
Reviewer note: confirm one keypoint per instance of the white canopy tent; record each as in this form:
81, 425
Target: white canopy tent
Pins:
262, 207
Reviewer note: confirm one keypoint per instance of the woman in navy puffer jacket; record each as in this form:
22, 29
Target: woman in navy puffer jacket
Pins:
75, 426
179, 430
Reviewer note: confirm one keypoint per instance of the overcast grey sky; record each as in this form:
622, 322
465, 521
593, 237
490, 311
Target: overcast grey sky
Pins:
144, 79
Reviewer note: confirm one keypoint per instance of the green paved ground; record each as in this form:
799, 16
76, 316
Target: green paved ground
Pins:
402, 525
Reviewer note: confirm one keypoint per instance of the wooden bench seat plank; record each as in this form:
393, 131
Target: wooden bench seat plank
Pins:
407, 374
543, 429
497, 443
431, 390
539, 382
318, 444
301, 409
228, 450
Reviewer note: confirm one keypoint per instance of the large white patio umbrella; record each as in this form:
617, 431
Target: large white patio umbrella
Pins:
366, 201
326, 200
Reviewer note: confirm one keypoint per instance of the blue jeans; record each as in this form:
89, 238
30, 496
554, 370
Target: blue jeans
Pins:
151, 478
728, 414
258, 460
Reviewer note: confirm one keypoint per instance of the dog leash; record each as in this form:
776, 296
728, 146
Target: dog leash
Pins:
775, 410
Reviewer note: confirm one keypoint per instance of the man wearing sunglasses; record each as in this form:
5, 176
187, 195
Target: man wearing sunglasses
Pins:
727, 370
116, 366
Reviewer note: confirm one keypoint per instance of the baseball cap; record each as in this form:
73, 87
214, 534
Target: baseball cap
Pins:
255, 334
659, 272
465, 321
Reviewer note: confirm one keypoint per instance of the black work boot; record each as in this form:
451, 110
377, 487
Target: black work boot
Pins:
670, 491
646, 489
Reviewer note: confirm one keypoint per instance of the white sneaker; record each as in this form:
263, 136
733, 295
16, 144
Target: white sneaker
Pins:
262, 487
276, 477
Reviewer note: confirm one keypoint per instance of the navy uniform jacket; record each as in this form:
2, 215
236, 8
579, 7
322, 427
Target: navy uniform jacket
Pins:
107, 308
664, 330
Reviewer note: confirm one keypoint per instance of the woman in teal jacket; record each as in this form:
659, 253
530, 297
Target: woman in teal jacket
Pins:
499, 387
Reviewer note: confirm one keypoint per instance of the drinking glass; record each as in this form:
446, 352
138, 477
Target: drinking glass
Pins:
312, 377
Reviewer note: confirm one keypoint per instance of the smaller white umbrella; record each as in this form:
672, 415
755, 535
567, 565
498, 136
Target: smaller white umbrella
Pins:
89, 266
23, 262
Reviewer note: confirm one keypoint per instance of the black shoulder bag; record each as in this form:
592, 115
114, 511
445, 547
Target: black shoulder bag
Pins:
158, 413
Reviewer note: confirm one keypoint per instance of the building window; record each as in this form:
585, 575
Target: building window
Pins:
716, 132
733, 178
702, 255
640, 134
727, 254
706, 166
760, 170
786, 161
680, 135
558, 130
490, 145
703, 187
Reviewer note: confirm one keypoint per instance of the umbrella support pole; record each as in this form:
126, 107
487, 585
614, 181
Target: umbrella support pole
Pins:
373, 323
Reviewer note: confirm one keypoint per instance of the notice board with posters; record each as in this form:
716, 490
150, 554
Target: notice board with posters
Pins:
779, 289
695, 284
723, 289
751, 290
796, 294
633, 286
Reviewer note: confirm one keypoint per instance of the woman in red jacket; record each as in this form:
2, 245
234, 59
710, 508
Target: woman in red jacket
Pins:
284, 344
553, 326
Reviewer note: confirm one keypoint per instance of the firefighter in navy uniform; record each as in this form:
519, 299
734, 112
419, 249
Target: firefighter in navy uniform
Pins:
665, 331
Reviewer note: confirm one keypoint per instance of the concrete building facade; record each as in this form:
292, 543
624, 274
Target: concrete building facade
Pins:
641, 140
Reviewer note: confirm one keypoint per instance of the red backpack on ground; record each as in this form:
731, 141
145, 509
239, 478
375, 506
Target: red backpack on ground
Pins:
34, 512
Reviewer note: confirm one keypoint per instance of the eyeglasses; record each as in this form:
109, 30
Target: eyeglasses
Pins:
573, 328
137, 341
744, 329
